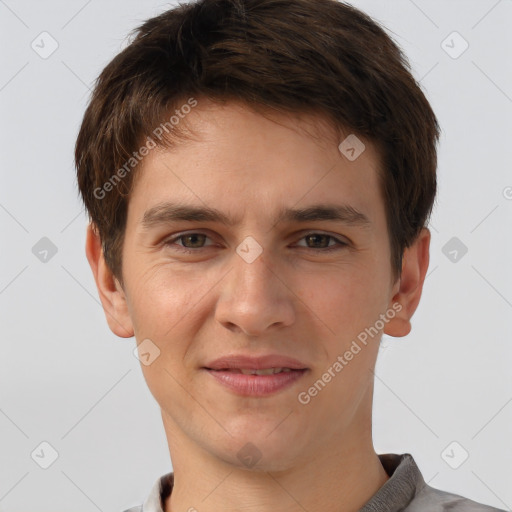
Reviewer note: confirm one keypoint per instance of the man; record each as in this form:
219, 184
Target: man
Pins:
259, 175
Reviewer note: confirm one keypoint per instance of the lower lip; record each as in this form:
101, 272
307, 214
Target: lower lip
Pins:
256, 385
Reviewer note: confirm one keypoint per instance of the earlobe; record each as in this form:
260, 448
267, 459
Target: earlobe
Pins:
407, 291
112, 296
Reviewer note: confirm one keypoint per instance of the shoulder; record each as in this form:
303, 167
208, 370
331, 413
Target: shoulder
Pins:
135, 509
434, 500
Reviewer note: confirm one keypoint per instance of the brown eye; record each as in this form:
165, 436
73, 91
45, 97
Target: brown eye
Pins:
322, 242
190, 242
195, 240
319, 241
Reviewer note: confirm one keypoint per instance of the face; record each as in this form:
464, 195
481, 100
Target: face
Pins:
301, 286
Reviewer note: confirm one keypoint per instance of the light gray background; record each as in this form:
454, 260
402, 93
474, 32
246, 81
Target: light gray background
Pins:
67, 380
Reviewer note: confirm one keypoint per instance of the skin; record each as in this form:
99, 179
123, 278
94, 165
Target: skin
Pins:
292, 300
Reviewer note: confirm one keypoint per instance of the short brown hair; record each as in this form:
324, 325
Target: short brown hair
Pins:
295, 56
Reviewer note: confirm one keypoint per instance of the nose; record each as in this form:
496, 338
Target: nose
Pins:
255, 298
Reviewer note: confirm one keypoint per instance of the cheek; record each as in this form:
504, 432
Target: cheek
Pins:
160, 298
164, 308
343, 300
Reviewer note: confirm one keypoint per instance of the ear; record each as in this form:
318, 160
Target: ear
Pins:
111, 293
407, 289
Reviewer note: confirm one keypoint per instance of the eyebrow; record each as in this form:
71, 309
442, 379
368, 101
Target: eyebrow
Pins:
165, 213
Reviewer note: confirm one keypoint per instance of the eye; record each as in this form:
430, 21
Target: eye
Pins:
194, 239
322, 240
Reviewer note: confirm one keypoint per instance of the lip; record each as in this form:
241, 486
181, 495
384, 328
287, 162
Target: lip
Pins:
255, 363
255, 385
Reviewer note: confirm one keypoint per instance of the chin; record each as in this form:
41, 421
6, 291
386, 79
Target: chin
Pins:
256, 451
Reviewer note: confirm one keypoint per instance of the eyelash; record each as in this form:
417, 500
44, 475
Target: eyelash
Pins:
340, 244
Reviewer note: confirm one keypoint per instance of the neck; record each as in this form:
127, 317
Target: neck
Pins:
337, 476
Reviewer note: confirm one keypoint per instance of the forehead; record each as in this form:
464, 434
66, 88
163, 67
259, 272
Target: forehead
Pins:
235, 158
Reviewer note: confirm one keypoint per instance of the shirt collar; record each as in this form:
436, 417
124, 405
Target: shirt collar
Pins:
399, 490
161, 489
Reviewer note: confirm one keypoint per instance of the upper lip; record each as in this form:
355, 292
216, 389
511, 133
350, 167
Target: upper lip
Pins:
255, 363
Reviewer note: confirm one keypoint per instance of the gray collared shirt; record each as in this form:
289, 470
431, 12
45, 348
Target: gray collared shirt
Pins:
405, 491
